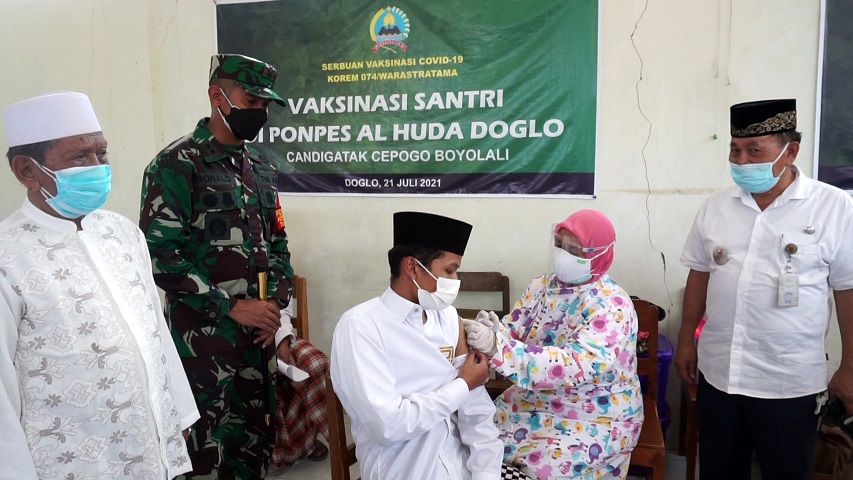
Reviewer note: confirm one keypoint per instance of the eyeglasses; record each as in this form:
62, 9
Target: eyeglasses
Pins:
574, 248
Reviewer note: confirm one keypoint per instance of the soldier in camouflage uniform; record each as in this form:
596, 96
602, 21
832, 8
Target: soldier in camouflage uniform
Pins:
212, 220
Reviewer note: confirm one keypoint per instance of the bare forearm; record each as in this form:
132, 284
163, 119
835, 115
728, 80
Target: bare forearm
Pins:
693, 308
841, 383
844, 312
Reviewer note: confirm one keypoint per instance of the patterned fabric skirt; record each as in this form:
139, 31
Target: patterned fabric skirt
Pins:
554, 436
301, 414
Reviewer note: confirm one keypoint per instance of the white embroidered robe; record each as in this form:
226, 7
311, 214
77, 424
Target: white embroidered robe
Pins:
92, 385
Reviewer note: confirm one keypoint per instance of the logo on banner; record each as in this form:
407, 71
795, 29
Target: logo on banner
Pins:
388, 28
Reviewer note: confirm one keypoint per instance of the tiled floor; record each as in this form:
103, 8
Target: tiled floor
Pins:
307, 470
320, 470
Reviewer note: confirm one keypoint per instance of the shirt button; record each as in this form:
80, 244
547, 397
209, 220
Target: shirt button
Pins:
211, 315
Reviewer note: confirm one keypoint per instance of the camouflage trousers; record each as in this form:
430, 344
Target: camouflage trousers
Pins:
234, 437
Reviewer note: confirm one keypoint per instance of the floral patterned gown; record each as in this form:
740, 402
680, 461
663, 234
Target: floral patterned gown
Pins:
575, 409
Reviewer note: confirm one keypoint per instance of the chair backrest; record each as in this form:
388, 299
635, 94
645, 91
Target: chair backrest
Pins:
341, 453
647, 365
300, 314
494, 282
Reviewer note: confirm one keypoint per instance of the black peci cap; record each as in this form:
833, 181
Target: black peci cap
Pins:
765, 117
419, 229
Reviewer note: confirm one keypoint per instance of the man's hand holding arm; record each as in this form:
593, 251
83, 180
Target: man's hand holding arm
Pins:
475, 370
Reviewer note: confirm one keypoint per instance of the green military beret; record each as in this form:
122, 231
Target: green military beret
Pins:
255, 76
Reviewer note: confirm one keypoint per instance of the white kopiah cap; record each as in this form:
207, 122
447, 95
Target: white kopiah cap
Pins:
50, 116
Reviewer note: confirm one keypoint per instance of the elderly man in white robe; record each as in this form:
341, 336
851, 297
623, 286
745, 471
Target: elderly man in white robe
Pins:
92, 386
402, 369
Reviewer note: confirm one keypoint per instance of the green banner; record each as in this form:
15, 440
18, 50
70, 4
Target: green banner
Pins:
439, 97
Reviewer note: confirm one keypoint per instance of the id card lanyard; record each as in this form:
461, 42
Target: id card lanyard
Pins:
788, 294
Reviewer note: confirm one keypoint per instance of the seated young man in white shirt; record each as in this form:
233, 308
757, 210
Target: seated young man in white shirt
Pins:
402, 369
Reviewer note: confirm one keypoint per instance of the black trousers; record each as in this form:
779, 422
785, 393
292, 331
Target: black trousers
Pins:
781, 432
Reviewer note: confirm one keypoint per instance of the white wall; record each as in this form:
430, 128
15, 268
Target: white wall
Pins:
144, 64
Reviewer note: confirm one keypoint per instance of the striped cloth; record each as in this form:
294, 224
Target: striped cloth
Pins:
301, 413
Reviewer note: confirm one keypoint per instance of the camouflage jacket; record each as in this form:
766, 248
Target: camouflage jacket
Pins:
194, 216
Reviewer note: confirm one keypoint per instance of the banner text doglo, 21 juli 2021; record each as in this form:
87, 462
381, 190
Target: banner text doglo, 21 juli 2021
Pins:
485, 97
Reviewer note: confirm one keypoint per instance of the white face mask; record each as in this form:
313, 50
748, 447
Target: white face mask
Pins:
446, 290
572, 269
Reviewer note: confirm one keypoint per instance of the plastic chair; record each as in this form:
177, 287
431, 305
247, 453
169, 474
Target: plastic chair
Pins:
650, 452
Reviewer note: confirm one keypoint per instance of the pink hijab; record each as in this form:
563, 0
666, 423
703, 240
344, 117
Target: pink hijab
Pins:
593, 229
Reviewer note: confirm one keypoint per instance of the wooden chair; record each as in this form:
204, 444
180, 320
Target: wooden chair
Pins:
650, 452
341, 453
484, 282
688, 429
300, 313
477, 283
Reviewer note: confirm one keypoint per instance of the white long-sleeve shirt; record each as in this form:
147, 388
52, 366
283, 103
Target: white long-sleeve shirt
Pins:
412, 418
92, 384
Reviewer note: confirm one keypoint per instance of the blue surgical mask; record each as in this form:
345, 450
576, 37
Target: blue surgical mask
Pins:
79, 190
756, 177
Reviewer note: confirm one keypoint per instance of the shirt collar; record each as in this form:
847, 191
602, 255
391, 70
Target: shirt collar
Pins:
399, 306
212, 149
799, 189
43, 218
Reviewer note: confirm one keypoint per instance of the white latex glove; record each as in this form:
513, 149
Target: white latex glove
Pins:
489, 319
485, 318
496, 322
480, 337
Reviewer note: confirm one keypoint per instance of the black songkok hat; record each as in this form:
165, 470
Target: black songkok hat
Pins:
765, 117
419, 229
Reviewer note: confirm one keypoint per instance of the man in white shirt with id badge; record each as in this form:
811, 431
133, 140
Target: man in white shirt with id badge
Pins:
766, 257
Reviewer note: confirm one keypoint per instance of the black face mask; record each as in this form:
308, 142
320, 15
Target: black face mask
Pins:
244, 123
